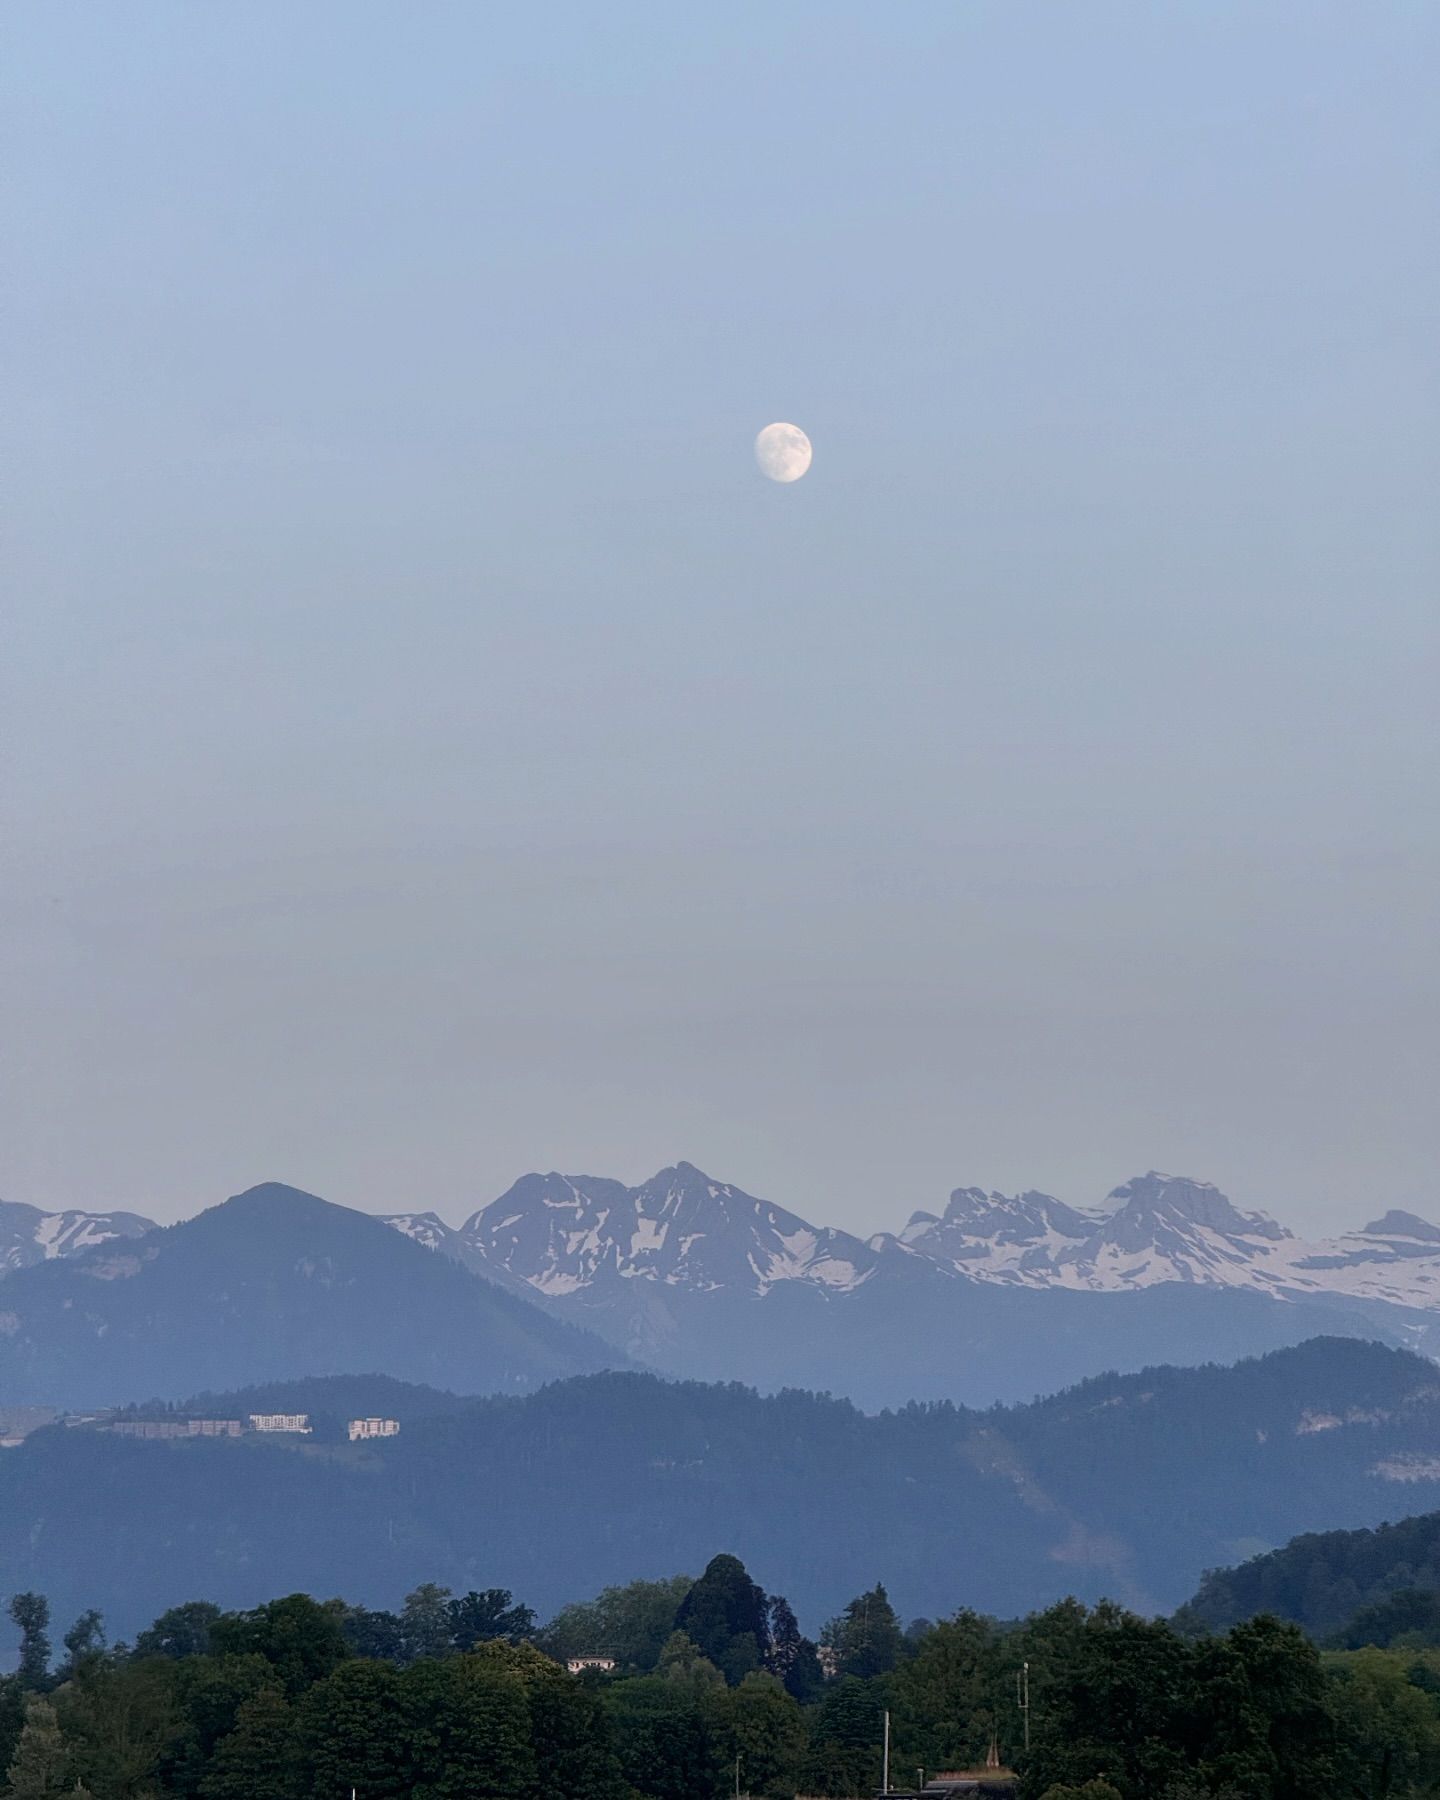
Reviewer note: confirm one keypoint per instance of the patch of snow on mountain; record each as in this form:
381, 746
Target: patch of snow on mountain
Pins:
1160, 1228
834, 1272
556, 1281
681, 1228
649, 1234
49, 1233
28, 1235
426, 1228
562, 1233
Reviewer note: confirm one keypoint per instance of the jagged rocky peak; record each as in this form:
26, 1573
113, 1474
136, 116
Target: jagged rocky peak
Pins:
553, 1231
1153, 1207
585, 1235
689, 1196
1016, 1218
577, 1195
1154, 1228
563, 1232
426, 1228
1001, 1237
1398, 1224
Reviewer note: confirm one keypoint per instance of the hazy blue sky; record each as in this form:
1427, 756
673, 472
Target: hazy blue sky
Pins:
432, 751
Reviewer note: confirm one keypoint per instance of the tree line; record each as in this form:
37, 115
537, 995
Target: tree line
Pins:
1333, 1582
714, 1685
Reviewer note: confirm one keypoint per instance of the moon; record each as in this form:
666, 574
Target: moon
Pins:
783, 452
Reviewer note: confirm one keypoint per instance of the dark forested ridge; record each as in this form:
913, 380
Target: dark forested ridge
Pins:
329, 1400
273, 1284
1387, 1578
1129, 1486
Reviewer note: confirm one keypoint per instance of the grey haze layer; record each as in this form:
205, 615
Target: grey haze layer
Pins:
429, 745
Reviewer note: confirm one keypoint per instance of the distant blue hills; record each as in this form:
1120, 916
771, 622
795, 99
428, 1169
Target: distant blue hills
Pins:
273, 1283
684, 1275
1129, 1486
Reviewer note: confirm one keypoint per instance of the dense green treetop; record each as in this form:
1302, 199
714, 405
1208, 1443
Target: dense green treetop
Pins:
630, 1623
866, 1639
277, 1703
726, 1615
1322, 1579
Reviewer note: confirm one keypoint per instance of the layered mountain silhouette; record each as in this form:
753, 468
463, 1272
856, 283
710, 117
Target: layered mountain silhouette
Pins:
1129, 1486
997, 1297
561, 1233
273, 1283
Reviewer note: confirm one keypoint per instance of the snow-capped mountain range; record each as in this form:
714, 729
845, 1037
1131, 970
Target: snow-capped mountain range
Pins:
561, 1234
28, 1235
1164, 1228
998, 1297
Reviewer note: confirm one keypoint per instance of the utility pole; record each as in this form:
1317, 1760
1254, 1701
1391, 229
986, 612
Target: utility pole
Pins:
1022, 1699
885, 1771
737, 1775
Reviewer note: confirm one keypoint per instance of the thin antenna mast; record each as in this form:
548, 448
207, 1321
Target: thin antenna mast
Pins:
1022, 1698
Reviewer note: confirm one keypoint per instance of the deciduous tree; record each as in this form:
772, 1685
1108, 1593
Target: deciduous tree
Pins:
681, 1661
762, 1725
260, 1759
477, 1617
31, 1614
662, 1739
353, 1727
120, 1722
40, 1767
866, 1638
793, 1658
630, 1623
84, 1644
845, 1739
181, 1631
466, 1728
302, 1639
425, 1626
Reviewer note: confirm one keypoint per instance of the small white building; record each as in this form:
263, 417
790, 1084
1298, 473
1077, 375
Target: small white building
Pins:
174, 1428
577, 1665
372, 1428
279, 1421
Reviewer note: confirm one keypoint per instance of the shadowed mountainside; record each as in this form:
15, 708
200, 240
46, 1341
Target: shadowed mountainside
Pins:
272, 1284
1129, 1486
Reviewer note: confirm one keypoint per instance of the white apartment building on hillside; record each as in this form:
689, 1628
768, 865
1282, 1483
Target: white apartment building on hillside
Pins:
279, 1421
372, 1428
